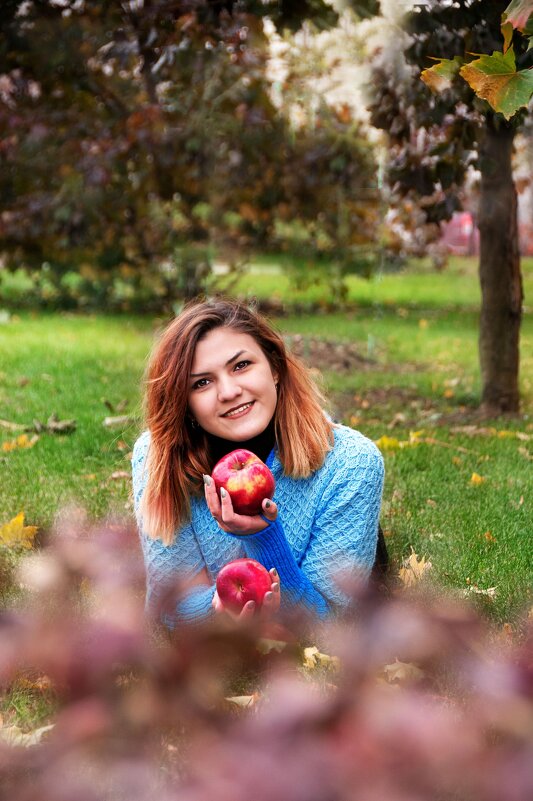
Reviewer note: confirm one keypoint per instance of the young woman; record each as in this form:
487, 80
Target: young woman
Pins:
220, 378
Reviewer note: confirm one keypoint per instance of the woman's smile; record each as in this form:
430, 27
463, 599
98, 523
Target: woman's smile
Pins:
239, 411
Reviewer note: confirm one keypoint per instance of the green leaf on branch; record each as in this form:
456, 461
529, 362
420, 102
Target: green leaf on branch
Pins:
441, 75
518, 14
496, 80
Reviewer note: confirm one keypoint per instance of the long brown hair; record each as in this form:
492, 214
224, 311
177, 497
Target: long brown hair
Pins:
178, 454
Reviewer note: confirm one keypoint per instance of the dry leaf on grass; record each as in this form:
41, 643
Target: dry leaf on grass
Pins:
402, 672
20, 442
313, 659
16, 535
13, 736
413, 570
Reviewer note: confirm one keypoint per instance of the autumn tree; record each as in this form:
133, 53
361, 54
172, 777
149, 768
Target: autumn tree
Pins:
436, 138
136, 132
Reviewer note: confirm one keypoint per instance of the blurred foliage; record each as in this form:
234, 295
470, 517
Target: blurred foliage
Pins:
138, 137
399, 699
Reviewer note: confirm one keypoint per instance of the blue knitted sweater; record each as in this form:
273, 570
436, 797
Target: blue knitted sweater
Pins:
326, 523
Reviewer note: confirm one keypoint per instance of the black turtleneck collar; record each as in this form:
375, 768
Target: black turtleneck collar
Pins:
260, 445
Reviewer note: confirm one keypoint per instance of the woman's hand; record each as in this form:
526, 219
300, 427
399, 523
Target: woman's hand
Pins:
228, 520
269, 607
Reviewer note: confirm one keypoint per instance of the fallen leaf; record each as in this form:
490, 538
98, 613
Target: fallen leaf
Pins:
476, 479
119, 474
386, 443
489, 537
244, 701
423, 324
16, 535
473, 589
448, 393
21, 442
313, 659
14, 736
54, 425
402, 672
40, 683
114, 422
413, 570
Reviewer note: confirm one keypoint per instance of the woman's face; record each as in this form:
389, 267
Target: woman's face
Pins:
232, 389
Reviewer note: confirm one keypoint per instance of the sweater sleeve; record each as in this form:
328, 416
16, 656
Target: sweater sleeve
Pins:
271, 549
345, 529
166, 565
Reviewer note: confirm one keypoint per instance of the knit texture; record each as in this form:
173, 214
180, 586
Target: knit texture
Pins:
326, 524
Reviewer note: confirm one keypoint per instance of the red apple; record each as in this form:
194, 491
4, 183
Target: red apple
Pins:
247, 479
242, 580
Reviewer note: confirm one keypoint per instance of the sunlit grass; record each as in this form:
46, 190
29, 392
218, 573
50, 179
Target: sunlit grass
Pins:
423, 368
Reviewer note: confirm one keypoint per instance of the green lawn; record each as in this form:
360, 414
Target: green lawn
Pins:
422, 375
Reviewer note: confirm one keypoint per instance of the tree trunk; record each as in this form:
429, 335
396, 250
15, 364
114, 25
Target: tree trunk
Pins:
499, 272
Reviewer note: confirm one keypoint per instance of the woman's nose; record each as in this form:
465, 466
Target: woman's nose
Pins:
228, 388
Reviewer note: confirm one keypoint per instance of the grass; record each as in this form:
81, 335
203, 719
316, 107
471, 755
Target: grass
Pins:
420, 331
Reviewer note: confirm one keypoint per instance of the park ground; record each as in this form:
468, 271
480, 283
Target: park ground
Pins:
400, 364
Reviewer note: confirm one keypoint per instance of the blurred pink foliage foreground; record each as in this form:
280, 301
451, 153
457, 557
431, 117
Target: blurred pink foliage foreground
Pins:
421, 704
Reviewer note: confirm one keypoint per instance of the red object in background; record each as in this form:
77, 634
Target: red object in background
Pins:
460, 235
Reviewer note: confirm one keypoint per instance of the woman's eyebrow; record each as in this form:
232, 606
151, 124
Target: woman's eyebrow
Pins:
232, 359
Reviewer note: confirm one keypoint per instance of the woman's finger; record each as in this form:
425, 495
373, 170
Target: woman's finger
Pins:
226, 506
270, 510
211, 497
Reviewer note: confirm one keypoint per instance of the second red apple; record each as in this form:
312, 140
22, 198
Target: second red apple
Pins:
241, 581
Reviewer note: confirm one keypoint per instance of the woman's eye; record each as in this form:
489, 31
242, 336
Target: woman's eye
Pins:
200, 384
241, 365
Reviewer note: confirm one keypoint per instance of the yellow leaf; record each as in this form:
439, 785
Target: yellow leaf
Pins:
313, 658
423, 324
476, 480
16, 535
386, 443
489, 537
413, 570
448, 393
22, 441
402, 671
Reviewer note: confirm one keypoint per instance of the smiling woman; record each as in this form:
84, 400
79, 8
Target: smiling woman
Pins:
221, 378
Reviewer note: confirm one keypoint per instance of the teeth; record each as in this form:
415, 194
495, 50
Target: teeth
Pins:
238, 410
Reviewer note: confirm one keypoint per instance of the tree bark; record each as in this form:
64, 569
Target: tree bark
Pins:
499, 272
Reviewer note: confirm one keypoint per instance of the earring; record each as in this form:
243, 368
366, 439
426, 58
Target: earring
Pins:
193, 422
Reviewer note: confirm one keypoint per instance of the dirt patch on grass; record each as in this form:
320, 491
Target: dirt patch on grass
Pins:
340, 357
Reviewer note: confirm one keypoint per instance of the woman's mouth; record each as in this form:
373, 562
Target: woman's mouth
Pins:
239, 411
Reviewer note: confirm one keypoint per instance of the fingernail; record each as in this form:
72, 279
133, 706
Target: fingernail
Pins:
267, 504
274, 586
268, 597
250, 605
274, 572
207, 481
223, 492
